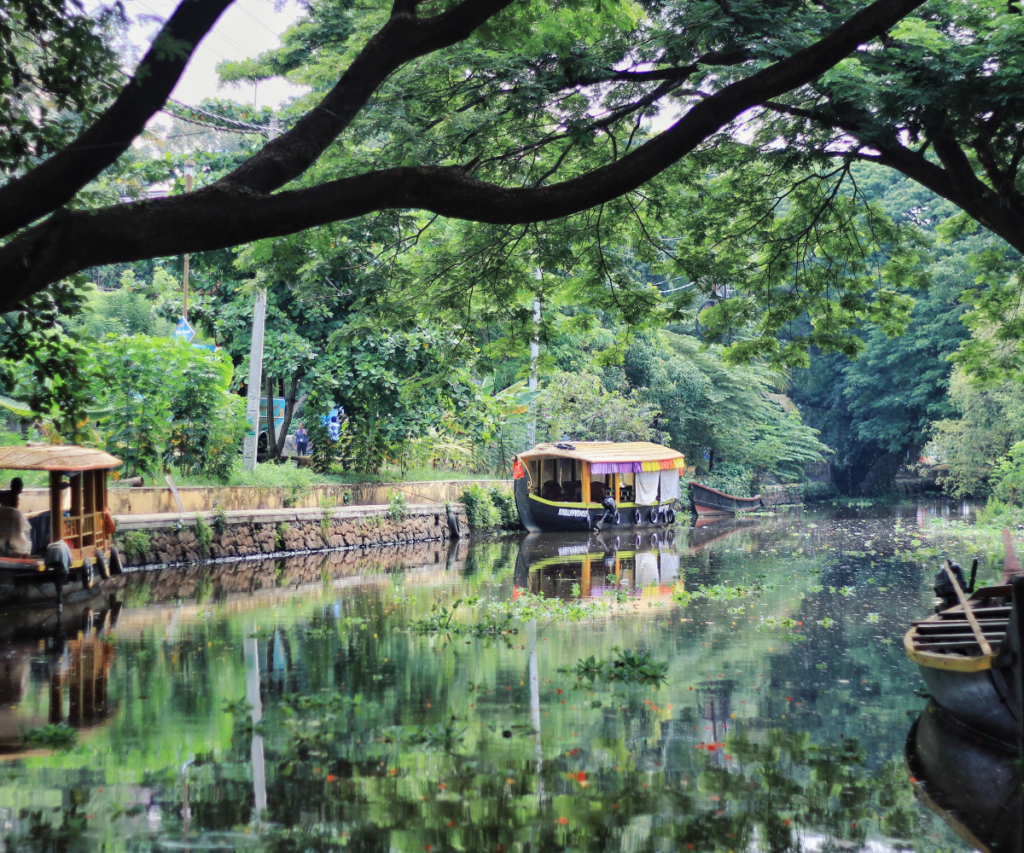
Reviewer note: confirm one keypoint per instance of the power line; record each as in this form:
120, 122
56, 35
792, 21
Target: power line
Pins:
239, 125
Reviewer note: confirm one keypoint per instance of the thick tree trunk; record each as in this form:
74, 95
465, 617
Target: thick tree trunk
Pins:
272, 452
289, 410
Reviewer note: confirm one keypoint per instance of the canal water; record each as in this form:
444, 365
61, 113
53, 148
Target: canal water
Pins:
737, 686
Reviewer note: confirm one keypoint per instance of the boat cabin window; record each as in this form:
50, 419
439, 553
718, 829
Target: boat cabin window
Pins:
627, 491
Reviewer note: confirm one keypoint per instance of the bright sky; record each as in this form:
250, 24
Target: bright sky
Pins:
247, 28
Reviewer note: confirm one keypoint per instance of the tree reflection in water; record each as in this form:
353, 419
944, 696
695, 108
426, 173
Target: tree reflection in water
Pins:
372, 736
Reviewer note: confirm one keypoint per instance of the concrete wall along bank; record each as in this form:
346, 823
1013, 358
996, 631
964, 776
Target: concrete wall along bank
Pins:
169, 538
152, 500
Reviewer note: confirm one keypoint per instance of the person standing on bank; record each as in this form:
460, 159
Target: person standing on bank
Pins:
301, 440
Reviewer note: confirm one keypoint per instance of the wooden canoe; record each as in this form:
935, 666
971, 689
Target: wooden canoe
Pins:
968, 654
706, 501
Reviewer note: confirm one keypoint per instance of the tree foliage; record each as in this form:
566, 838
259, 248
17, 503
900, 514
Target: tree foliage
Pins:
485, 110
170, 406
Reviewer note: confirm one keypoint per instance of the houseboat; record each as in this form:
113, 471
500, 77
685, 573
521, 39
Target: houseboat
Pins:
69, 543
583, 485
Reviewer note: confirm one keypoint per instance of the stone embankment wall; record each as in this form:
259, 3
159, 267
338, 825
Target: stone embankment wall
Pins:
791, 493
195, 537
153, 500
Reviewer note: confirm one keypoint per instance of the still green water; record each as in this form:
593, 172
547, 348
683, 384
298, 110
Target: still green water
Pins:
329, 703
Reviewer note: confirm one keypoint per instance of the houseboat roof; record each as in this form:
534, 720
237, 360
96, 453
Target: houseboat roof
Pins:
617, 456
55, 457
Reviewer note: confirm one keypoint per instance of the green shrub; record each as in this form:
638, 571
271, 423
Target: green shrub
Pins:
204, 534
819, 492
220, 519
997, 513
396, 505
325, 525
730, 478
480, 511
282, 531
1007, 478
322, 451
294, 496
135, 543
505, 504
58, 736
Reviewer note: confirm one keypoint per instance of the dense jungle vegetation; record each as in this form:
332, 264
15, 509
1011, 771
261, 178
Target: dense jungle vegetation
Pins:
800, 288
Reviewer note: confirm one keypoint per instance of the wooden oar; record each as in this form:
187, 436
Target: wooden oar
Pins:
1011, 565
986, 649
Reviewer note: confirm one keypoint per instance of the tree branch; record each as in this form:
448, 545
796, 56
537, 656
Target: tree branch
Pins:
402, 39
226, 214
732, 57
55, 182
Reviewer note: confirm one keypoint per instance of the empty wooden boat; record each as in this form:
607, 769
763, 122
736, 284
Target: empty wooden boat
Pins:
706, 501
967, 653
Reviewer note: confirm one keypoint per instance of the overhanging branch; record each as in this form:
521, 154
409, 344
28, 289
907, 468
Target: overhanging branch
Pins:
227, 213
55, 182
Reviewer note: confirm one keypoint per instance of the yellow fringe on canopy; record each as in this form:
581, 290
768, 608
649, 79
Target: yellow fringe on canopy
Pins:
664, 464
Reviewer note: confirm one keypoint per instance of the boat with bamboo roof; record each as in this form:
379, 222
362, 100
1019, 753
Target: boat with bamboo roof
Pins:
582, 485
69, 543
968, 653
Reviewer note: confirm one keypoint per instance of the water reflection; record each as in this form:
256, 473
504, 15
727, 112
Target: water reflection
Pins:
405, 700
569, 565
55, 669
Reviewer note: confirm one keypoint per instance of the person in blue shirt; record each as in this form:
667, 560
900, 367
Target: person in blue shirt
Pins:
301, 440
334, 428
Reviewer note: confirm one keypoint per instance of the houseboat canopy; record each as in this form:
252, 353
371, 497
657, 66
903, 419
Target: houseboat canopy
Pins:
55, 457
611, 457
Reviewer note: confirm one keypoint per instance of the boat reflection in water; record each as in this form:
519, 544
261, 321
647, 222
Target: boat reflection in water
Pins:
550, 564
641, 563
972, 782
68, 654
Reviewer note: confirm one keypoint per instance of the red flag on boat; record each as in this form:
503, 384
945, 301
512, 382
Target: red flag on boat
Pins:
518, 471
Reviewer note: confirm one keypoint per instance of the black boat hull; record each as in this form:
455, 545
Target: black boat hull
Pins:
708, 502
540, 516
970, 781
985, 700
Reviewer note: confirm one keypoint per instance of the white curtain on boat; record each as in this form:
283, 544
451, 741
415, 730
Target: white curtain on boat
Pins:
646, 569
647, 487
669, 485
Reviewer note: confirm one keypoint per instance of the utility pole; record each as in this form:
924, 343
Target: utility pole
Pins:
252, 398
190, 171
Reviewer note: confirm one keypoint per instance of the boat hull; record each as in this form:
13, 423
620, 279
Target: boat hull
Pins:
969, 781
540, 516
710, 502
985, 700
